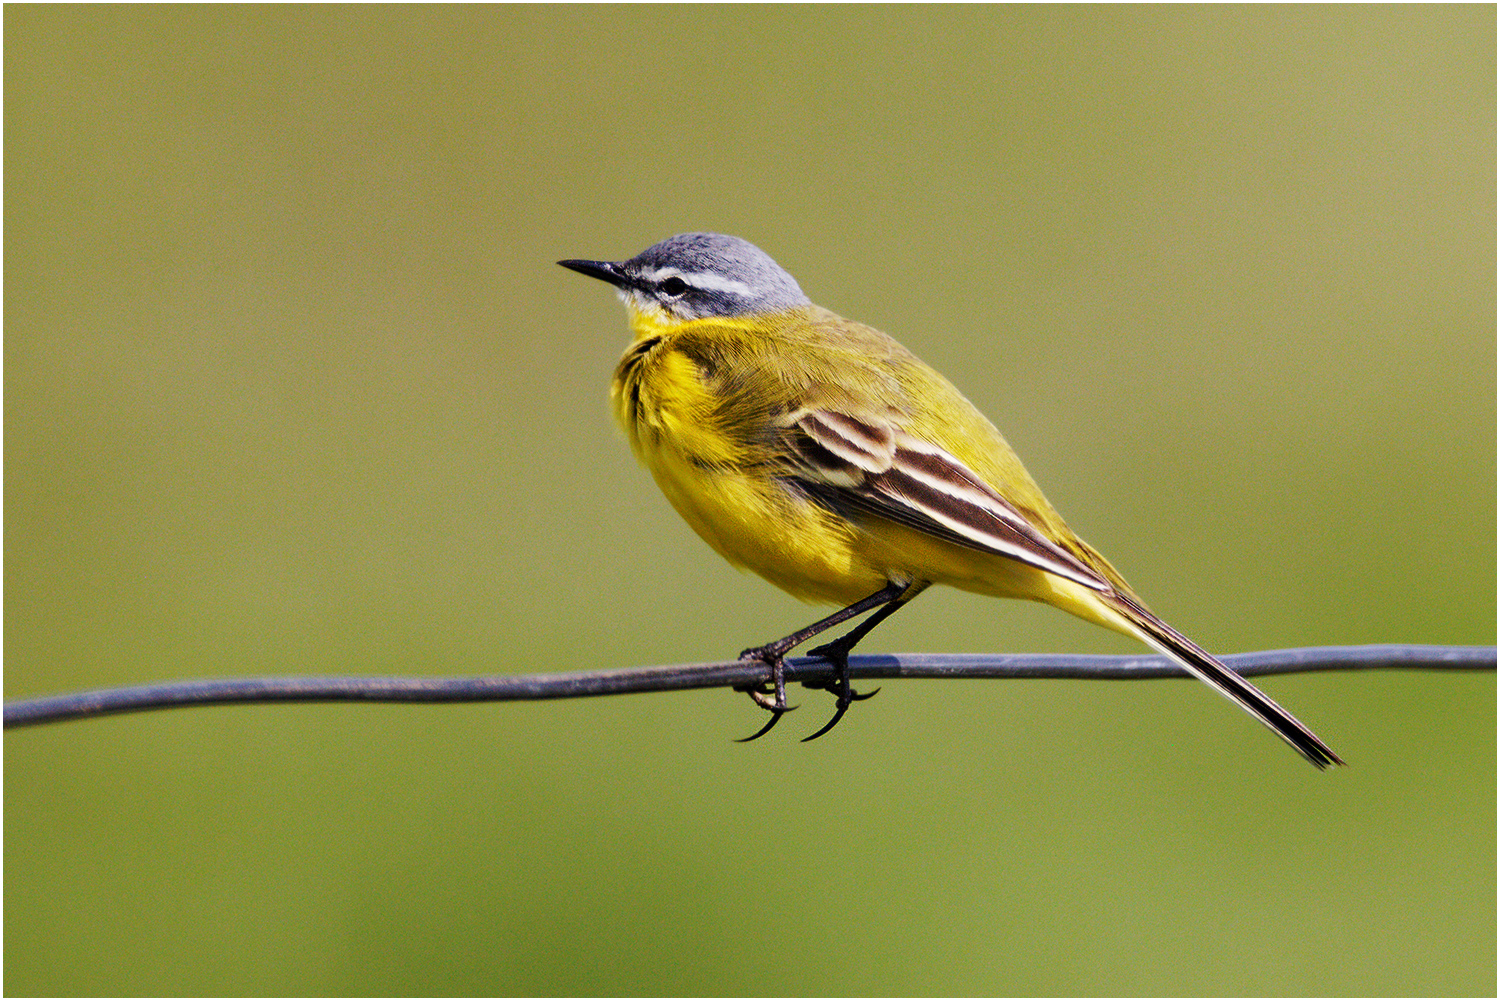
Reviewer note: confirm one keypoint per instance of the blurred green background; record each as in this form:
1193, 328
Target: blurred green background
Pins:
294, 386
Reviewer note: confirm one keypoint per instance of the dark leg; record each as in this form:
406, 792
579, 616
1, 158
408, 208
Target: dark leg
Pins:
774, 654
837, 654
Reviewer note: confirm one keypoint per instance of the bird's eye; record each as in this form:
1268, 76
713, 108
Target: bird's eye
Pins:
674, 287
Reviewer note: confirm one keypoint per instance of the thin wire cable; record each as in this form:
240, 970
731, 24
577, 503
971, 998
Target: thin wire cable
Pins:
729, 674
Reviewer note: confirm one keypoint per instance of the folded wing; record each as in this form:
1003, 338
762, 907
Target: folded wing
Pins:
872, 466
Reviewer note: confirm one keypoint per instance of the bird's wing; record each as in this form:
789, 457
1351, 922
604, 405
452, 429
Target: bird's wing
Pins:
870, 466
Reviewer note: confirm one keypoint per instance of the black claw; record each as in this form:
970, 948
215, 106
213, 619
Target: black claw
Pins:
775, 718
834, 687
843, 707
772, 696
837, 654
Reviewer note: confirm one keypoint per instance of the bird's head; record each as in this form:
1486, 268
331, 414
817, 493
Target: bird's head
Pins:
693, 276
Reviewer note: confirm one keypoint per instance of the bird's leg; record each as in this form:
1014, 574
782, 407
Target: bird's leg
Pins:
773, 655
837, 654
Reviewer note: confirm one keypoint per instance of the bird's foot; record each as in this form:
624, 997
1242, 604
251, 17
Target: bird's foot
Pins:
770, 697
837, 654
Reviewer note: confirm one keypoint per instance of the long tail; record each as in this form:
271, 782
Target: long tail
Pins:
1209, 669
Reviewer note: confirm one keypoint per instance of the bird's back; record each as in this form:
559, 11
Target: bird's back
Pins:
725, 392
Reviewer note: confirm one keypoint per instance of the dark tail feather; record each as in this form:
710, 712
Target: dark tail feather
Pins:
1207, 668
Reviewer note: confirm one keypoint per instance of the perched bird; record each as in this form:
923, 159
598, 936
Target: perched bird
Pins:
827, 458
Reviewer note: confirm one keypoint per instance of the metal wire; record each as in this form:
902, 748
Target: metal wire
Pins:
578, 684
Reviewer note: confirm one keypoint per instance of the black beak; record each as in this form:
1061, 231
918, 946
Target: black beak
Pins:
605, 271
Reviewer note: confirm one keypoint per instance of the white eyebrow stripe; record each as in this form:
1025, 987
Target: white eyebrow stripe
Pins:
705, 280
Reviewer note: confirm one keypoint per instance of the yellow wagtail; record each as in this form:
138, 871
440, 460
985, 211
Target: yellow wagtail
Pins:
830, 460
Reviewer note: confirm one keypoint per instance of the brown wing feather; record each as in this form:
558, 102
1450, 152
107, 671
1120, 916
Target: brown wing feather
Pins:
869, 465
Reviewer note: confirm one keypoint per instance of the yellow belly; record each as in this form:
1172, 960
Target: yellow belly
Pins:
697, 431
818, 556
760, 525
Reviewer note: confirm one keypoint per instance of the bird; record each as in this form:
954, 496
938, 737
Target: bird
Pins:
822, 455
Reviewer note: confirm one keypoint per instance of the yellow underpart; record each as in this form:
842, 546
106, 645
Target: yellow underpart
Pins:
703, 403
